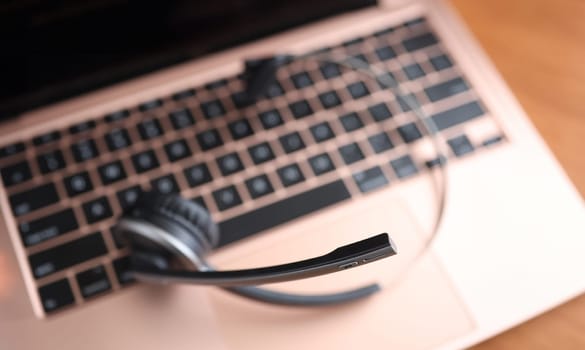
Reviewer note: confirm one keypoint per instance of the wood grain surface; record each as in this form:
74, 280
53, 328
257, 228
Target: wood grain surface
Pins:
539, 48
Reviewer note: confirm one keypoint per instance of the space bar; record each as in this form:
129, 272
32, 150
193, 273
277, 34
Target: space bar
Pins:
283, 211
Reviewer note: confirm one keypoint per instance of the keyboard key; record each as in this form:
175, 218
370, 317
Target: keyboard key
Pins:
78, 184
181, 119
84, 150
46, 138
322, 132
441, 62
352, 42
385, 53
145, 161
492, 141
117, 116
184, 94
351, 153
379, 112
409, 132
292, 142
122, 268
361, 57
404, 166
112, 172
16, 173
386, 80
216, 84
271, 119
149, 129
301, 80
209, 139
177, 150
51, 161
212, 109
290, 175
419, 42
33, 199
241, 99
66, 255
281, 212
329, 99
321, 164
351, 122
259, 186
117, 139
330, 70
12, 149
358, 90
240, 129
384, 32
97, 210
56, 295
199, 201
370, 179
300, 109
414, 22
229, 164
82, 127
197, 175
128, 197
93, 281
457, 115
165, 184
150, 105
380, 142
460, 145
274, 90
261, 153
413, 71
407, 101
435, 162
446, 89
40, 230
227, 198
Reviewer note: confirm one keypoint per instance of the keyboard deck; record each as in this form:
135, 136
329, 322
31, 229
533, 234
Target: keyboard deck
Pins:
253, 166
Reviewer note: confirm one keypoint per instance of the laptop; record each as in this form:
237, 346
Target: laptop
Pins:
103, 100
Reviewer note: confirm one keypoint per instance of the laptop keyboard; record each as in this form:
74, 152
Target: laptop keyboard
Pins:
253, 166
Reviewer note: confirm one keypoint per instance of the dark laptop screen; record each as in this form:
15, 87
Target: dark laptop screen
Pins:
52, 50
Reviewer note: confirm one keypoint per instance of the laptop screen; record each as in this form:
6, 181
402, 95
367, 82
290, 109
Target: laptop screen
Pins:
55, 50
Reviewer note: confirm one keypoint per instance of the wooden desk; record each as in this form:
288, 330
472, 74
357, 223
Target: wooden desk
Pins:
539, 48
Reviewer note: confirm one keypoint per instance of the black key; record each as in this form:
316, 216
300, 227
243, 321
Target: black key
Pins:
261, 153
330, 70
386, 80
16, 173
129, 196
407, 101
241, 99
457, 115
67, 255
384, 32
184, 94
409, 132
385, 53
197, 175
290, 175
414, 22
209, 139
51, 161
212, 109
78, 184
40, 230
380, 142
149, 129
199, 201
351, 122
82, 127
358, 90
177, 150
351, 153
301, 80
360, 57
492, 141
117, 139
370, 179
56, 295
122, 268
216, 84
181, 118
93, 281
441, 62
300, 109
329, 99
227, 198
12, 149
379, 112
419, 42
281, 212
259, 186
271, 119
33, 199
322, 132
97, 210
46, 138
274, 90
435, 162
84, 150
321, 164
117, 116
150, 105
292, 142
352, 42
240, 129
404, 166
165, 184
112, 172
145, 161
446, 89
413, 71
460, 145
229, 164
